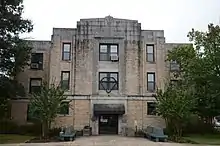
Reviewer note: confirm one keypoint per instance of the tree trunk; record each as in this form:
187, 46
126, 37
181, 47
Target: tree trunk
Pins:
45, 129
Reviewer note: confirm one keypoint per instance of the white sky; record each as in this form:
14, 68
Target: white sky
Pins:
175, 17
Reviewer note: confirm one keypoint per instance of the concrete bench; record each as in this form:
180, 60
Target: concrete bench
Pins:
155, 133
68, 133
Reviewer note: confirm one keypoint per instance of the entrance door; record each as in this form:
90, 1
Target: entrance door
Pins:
108, 124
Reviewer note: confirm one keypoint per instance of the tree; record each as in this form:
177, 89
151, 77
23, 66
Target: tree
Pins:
207, 44
45, 105
199, 66
14, 52
175, 105
6, 86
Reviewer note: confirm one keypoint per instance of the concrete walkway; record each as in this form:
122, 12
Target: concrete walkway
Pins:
106, 141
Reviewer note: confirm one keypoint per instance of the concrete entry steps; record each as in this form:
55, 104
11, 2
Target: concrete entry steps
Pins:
106, 141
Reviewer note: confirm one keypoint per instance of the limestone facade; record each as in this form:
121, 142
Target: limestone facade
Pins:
84, 66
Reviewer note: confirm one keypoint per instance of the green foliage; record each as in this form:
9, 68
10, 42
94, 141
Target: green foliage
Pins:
46, 104
10, 127
8, 85
175, 105
199, 72
206, 75
14, 51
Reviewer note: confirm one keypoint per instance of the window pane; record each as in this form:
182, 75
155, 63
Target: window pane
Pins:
114, 48
150, 86
102, 75
65, 80
174, 67
35, 89
113, 86
104, 57
150, 77
103, 48
65, 84
65, 75
66, 47
114, 75
103, 86
66, 56
150, 57
35, 82
150, 49
151, 108
37, 58
64, 108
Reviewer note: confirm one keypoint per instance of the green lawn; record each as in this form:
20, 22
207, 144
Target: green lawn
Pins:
12, 138
205, 139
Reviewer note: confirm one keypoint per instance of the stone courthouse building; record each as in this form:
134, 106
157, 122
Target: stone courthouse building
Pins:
110, 68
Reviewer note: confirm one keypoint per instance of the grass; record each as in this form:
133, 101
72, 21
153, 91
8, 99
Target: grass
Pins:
213, 139
13, 138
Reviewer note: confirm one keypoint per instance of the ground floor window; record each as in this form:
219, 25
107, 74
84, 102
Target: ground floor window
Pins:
151, 108
64, 108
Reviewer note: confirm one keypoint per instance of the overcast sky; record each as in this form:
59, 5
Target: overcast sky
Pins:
175, 17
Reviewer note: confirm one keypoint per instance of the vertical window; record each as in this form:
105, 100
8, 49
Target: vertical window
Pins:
151, 81
66, 51
65, 79
150, 53
35, 85
106, 51
37, 61
103, 53
151, 108
108, 81
32, 116
64, 108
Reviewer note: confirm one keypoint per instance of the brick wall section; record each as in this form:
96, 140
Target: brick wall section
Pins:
24, 77
132, 82
151, 120
65, 120
134, 112
84, 64
137, 110
81, 113
19, 111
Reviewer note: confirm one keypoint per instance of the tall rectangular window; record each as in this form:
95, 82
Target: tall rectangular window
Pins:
65, 79
151, 81
106, 51
66, 51
37, 61
150, 53
35, 85
151, 108
108, 81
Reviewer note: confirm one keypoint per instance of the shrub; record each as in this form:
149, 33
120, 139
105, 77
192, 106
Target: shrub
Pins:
30, 129
197, 126
8, 127
54, 132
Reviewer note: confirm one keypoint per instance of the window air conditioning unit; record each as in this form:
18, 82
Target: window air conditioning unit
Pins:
34, 65
114, 57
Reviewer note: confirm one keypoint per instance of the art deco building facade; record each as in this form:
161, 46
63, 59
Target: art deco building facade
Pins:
110, 69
